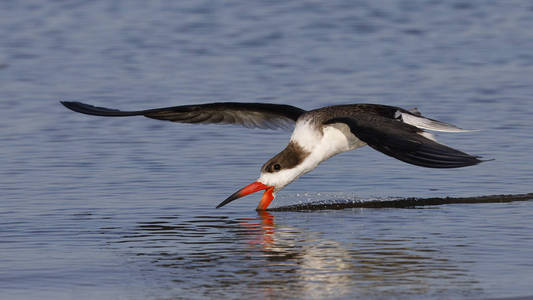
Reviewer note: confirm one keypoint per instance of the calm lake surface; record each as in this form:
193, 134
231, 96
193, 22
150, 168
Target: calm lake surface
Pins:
124, 208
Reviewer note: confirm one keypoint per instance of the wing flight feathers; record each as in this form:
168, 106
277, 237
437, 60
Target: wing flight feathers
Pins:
404, 142
253, 115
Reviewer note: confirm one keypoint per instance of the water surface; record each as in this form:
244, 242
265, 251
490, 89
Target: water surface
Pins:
124, 208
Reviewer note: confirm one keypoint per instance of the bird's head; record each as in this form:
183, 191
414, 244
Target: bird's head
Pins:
276, 173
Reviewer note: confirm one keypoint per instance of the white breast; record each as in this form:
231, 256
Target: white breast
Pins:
306, 135
323, 144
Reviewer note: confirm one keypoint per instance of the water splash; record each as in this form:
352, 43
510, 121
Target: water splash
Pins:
340, 201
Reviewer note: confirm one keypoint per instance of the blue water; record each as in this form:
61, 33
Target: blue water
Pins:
124, 208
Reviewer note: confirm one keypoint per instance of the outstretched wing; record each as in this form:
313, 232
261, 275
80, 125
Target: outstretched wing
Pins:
403, 141
258, 115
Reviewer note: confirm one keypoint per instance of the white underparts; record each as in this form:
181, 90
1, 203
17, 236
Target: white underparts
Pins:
322, 143
306, 135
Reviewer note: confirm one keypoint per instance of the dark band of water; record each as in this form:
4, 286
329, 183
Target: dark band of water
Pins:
404, 202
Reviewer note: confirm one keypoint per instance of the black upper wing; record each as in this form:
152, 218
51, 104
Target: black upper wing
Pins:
260, 115
403, 141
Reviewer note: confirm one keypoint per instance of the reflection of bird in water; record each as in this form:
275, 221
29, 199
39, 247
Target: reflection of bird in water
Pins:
276, 256
318, 135
316, 267
321, 267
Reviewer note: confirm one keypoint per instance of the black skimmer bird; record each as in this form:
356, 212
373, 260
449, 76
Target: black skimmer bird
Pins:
318, 135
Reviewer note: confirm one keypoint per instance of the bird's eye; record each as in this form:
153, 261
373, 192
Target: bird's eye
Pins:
277, 167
